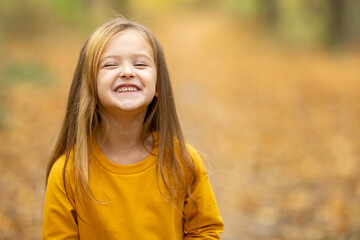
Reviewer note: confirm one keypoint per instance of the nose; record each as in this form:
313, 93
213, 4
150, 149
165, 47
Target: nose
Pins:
127, 72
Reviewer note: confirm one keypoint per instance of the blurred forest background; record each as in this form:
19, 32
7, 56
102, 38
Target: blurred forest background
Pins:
268, 89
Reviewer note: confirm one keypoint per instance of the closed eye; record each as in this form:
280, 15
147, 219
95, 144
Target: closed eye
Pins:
109, 65
140, 65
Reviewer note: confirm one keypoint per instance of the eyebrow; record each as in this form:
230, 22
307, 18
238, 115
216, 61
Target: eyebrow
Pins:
133, 55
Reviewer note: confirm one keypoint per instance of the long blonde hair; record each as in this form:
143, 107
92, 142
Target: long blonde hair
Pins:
83, 118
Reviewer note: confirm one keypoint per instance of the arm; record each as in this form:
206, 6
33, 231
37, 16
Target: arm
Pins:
59, 221
207, 223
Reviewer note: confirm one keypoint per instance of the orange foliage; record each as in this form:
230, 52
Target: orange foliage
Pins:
280, 127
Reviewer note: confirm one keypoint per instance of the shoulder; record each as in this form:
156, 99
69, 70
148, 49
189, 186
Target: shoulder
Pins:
193, 152
192, 159
57, 170
196, 158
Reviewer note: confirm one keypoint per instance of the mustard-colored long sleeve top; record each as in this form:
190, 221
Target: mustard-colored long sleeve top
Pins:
131, 205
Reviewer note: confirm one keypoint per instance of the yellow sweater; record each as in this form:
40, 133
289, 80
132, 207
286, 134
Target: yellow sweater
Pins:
133, 207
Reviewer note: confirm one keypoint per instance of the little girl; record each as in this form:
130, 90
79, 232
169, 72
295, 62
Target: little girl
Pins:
120, 168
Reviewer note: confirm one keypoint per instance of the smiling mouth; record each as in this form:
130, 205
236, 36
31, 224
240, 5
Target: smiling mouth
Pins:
126, 89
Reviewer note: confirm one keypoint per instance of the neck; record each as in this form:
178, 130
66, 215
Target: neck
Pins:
124, 132
122, 141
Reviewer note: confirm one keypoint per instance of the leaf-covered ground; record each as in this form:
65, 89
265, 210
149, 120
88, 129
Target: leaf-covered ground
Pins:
278, 125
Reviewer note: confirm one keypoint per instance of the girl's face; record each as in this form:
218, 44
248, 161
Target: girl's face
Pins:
126, 80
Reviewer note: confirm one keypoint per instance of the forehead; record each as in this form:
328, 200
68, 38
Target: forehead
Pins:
128, 42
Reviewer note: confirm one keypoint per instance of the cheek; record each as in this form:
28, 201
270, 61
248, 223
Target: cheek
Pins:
156, 85
102, 81
101, 86
98, 81
98, 88
152, 78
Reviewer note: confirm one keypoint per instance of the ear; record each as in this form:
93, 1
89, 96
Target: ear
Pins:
156, 94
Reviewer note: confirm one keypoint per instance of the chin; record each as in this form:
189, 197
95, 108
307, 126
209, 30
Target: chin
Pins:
132, 108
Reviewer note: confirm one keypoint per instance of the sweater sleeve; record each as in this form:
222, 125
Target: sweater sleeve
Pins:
59, 220
207, 223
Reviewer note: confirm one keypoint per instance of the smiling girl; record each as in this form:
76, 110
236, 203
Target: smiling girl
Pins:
121, 168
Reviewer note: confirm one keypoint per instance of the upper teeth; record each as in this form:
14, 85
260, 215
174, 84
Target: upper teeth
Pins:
126, 89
